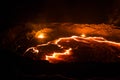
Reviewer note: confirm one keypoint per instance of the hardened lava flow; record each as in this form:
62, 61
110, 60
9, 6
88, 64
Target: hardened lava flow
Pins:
76, 49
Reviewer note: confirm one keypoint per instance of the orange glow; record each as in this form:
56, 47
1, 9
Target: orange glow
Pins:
43, 33
67, 49
83, 35
35, 50
41, 36
56, 55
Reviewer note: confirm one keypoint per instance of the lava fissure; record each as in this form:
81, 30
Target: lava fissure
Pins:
76, 49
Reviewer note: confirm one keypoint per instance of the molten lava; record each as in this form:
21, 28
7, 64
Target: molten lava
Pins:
41, 36
42, 33
83, 35
56, 56
76, 49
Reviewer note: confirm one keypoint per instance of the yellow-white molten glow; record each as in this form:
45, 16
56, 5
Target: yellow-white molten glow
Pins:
35, 50
41, 36
56, 55
42, 33
83, 35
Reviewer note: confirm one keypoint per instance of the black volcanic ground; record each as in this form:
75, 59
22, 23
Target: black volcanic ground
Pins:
20, 20
89, 49
91, 59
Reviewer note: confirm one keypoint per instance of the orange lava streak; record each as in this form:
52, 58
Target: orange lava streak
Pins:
80, 43
34, 50
83, 35
56, 55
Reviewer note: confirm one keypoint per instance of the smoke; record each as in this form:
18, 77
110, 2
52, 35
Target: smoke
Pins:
94, 30
23, 36
58, 30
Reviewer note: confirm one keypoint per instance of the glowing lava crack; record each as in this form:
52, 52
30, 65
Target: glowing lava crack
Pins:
56, 56
76, 49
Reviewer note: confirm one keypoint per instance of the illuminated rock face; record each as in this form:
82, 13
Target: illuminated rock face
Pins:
76, 49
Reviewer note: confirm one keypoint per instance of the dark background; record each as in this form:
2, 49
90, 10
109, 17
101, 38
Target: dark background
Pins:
75, 11
13, 13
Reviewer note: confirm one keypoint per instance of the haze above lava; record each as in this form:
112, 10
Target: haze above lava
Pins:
55, 42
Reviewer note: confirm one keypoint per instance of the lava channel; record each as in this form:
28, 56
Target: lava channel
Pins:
76, 49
